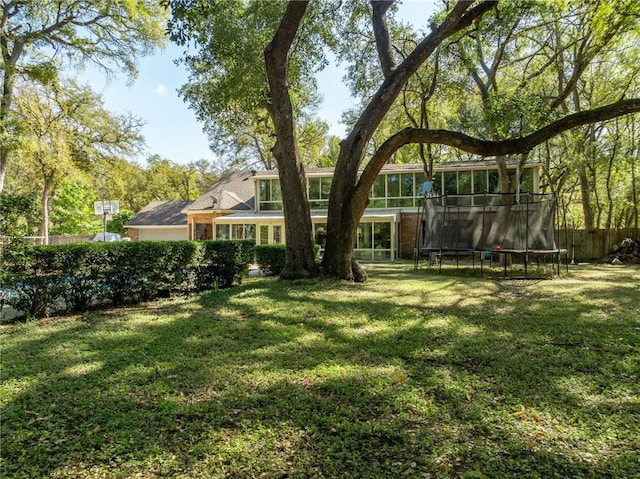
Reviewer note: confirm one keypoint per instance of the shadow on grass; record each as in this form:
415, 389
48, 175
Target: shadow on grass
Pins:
454, 378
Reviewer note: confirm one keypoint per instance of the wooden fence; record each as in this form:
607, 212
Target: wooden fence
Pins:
582, 246
69, 239
586, 246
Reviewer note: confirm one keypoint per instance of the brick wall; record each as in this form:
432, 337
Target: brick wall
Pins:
407, 235
204, 218
133, 233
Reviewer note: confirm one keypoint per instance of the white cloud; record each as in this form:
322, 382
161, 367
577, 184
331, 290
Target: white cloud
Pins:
160, 90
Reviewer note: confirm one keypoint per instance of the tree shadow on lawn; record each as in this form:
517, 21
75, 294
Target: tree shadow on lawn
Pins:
315, 381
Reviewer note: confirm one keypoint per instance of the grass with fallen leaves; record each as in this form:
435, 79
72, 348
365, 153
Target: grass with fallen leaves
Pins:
410, 375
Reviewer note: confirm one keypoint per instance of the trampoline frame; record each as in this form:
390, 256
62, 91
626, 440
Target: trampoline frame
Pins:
519, 208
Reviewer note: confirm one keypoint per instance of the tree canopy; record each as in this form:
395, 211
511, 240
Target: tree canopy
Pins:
522, 68
37, 36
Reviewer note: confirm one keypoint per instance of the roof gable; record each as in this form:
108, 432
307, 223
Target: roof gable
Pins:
233, 191
160, 213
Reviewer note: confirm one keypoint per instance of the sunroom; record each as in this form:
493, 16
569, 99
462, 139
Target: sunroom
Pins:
376, 239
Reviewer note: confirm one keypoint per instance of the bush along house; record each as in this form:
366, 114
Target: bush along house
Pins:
248, 205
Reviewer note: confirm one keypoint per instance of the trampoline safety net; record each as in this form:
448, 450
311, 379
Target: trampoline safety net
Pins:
489, 222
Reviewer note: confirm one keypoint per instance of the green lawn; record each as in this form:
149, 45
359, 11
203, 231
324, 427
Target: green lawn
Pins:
410, 375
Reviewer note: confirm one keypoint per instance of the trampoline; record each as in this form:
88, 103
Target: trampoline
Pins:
488, 226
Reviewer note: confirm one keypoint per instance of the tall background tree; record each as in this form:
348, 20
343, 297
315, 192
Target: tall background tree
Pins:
516, 78
66, 129
36, 35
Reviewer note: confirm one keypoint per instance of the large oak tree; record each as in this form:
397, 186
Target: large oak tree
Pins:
36, 34
354, 176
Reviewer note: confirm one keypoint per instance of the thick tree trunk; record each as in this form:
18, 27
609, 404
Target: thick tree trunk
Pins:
10, 59
4, 156
348, 193
44, 223
338, 258
585, 196
634, 194
5, 105
300, 253
503, 174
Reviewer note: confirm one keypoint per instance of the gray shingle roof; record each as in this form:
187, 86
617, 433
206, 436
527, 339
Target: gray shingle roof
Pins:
233, 191
160, 213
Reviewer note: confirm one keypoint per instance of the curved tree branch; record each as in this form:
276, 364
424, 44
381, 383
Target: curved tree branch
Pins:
460, 17
482, 147
381, 33
300, 256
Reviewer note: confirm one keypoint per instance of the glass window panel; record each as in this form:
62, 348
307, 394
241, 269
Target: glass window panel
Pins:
463, 201
406, 185
325, 187
249, 232
320, 233
512, 180
464, 182
364, 236
417, 186
237, 231
273, 206
437, 182
399, 202
494, 182
379, 188
480, 181
204, 231
451, 183
393, 186
382, 235
264, 234
526, 180
277, 234
381, 255
265, 187
314, 188
222, 232
276, 193
377, 203
319, 204
363, 255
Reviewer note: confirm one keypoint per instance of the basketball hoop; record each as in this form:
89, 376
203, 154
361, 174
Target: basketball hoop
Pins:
106, 209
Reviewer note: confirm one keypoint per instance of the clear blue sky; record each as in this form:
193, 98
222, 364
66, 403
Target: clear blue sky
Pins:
171, 129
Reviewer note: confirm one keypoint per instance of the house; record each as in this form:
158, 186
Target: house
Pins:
248, 205
234, 193
159, 220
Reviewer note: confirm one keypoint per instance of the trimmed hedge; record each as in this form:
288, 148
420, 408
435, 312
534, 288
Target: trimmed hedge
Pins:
75, 277
271, 257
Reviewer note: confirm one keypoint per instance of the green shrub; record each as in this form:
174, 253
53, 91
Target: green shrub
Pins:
143, 270
83, 268
36, 281
42, 279
223, 262
270, 258
180, 256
